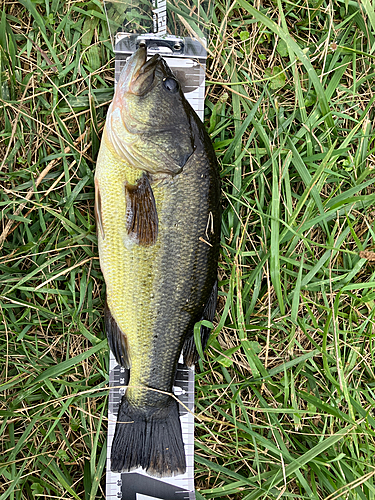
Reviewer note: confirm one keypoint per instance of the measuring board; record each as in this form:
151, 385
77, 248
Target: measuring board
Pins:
187, 59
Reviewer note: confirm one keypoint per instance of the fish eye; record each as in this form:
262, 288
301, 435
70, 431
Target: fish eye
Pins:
171, 85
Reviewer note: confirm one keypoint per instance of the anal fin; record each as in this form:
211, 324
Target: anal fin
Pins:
116, 339
191, 355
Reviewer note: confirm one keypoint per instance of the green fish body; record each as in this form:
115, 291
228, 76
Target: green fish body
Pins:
158, 216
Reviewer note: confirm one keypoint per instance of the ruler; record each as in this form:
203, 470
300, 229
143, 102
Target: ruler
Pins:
137, 485
187, 59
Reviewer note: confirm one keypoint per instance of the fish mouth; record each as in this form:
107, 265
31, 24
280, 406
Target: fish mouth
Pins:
138, 74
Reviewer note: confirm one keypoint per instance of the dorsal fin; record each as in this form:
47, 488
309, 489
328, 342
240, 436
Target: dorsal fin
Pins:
190, 351
98, 210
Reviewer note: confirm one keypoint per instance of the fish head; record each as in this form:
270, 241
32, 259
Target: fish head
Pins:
156, 119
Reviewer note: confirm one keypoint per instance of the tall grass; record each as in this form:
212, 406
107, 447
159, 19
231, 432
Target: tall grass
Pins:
285, 395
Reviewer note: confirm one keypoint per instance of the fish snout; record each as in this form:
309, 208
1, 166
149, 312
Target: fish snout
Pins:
138, 74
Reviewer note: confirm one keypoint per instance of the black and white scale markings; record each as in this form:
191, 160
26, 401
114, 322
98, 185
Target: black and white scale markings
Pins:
138, 485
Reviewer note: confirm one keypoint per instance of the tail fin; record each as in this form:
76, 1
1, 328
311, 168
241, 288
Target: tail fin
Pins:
149, 438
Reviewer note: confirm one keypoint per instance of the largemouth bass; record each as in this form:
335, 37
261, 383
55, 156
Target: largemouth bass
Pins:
157, 207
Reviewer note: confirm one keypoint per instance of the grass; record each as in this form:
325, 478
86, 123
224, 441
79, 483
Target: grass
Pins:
285, 396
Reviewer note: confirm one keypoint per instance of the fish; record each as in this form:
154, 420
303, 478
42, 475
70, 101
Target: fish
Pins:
158, 216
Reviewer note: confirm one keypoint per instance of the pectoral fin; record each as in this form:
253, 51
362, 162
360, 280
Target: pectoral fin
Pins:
116, 339
141, 213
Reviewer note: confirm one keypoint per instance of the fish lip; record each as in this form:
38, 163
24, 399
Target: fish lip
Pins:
133, 64
136, 68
